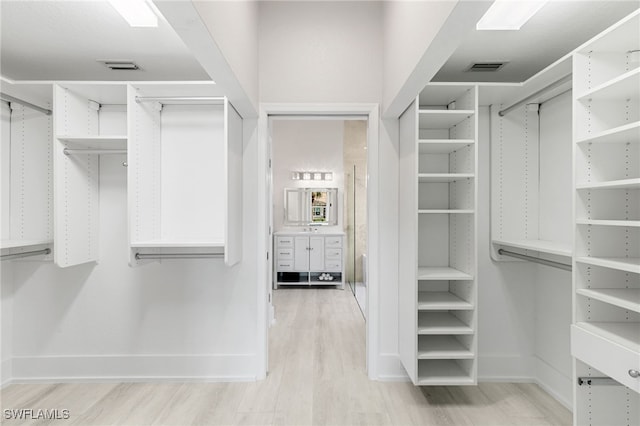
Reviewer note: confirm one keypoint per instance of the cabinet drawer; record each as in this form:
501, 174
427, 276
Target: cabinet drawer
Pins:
284, 253
284, 241
333, 253
333, 242
333, 265
284, 265
611, 358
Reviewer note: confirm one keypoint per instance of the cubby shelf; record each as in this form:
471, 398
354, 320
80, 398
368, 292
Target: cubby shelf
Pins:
441, 323
612, 184
442, 273
442, 146
626, 298
442, 372
442, 119
95, 142
11, 244
619, 263
628, 223
441, 300
445, 211
443, 177
618, 88
541, 246
442, 347
627, 133
623, 333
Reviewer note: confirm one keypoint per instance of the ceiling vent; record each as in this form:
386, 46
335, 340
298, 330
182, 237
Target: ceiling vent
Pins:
486, 66
120, 65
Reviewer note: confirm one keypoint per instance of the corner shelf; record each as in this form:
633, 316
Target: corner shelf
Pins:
442, 274
442, 347
442, 146
443, 177
627, 133
442, 372
441, 300
441, 323
618, 88
94, 142
626, 298
442, 119
541, 246
619, 263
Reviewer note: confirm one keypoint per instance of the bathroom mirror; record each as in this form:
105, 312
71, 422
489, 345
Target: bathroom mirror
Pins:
310, 206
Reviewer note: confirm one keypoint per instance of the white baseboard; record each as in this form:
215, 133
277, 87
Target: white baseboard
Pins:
6, 372
554, 382
138, 368
505, 368
390, 368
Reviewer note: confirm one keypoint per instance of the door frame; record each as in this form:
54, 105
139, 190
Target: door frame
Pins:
370, 112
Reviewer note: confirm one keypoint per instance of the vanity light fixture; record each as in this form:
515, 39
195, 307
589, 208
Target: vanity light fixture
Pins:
295, 175
138, 13
509, 14
311, 175
306, 176
328, 176
317, 176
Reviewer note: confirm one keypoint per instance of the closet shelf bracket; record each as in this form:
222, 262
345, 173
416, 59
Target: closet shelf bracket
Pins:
10, 99
597, 381
563, 80
533, 259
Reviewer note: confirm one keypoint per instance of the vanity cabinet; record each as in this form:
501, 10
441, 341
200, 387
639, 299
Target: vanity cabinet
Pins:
308, 259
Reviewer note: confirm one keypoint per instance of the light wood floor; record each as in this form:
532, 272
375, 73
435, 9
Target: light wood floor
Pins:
317, 376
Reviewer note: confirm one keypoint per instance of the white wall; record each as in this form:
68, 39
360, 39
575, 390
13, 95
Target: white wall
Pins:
311, 145
6, 272
183, 319
320, 51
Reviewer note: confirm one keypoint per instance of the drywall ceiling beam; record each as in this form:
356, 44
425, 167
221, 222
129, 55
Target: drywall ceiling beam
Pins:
459, 24
188, 24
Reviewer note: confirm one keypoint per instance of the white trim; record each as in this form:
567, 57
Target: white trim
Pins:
6, 369
338, 109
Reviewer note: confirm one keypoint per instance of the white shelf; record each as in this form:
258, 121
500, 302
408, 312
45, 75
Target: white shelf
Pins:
441, 323
626, 298
12, 244
442, 372
177, 243
444, 211
442, 347
541, 246
619, 263
612, 184
627, 133
442, 274
443, 177
442, 119
629, 223
618, 88
626, 334
441, 300
95, 142
442, 146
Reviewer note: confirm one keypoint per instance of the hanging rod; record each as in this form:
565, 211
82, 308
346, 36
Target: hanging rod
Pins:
10, 98
25, 254
597, 381
68, 151
535, 259
197, 100
521, 102
141, 256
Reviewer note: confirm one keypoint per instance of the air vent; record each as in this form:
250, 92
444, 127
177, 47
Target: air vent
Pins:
120, 65
486, 66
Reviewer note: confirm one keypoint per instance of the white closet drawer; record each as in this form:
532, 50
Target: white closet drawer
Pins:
333, 265
284, 241
333, 253
605, 355
284, 253
333, 242
284, 265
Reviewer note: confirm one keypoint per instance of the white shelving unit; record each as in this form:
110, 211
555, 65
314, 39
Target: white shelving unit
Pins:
91, 120
438, 152
185, 173
26, 167
605, 335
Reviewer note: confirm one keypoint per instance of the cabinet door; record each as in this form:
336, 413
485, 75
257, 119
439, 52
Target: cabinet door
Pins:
301, 254
316, 254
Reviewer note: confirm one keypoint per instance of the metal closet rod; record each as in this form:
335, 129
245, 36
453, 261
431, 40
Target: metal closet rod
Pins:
213, 100
68, 151
597, 381
521, 102
535, 259
35, 107
141, 256
25, 254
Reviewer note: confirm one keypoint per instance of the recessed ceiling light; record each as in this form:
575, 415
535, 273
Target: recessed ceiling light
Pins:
509, 14
136, 12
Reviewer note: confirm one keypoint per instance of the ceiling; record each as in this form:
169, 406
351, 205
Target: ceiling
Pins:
557, 29
62, 40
